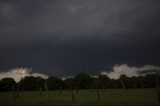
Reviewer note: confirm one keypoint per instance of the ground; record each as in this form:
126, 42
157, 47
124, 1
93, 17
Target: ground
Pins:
109, 97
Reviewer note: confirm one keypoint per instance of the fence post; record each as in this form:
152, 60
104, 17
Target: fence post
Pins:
77, 89
157, 86
40, 91
61, 90
14, 94
72, 94
17, 91
123, 86
97, 92
46, 88
142, 85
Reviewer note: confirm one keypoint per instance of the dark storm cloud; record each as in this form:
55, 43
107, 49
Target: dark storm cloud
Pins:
111, 20
70, 36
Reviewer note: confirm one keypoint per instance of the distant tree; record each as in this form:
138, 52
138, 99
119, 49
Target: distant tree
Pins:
142, 81
150, 79
123, 79
117, 83
30, 83
6, 84
69, 83
40, 82
94, 82
103, 81
134, 82
82, 81
54, 83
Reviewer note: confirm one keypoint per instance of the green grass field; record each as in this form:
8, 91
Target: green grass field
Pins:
133, 97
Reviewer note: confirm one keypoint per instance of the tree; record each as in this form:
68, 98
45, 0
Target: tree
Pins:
82, 81
54, 83
123, 79
103, 81
6, 84
40, 82
31, 83
69, 83
150, 82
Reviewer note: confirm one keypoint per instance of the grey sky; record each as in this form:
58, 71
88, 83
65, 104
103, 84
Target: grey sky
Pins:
53, 34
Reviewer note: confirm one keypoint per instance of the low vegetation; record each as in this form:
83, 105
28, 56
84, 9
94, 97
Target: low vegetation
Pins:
80, 81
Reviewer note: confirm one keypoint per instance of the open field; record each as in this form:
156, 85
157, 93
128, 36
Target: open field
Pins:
133, 97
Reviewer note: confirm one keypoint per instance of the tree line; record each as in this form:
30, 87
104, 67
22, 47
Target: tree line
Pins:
80, 81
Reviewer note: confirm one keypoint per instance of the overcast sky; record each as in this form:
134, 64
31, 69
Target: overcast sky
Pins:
65, 37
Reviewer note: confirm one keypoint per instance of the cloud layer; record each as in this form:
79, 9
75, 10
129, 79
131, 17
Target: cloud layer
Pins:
129, 71
114, 73
19, 73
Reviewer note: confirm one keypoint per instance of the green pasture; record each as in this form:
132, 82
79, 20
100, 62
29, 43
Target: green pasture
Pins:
108, 97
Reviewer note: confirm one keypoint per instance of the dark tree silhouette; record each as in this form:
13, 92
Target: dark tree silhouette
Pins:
6, 84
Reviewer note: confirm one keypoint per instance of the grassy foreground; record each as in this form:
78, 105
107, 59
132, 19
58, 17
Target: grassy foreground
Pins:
133, 97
